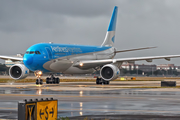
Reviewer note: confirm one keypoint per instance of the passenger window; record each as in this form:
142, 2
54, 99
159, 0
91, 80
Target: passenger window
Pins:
31, 52
27, 52
37, 52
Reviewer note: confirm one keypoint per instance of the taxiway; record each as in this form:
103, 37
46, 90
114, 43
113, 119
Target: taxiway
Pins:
76, 100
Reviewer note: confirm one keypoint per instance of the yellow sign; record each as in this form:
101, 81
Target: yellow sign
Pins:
42, 110
30, 111
47, 110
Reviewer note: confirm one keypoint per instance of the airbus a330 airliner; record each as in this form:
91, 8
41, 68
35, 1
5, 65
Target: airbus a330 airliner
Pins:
75, 59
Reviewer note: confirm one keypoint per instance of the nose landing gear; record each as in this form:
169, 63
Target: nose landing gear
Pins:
52, 80
38, 74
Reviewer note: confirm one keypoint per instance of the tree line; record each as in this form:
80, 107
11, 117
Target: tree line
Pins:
4, 69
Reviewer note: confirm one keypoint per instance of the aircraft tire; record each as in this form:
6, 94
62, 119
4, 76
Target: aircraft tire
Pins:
98, 81
106, 82
57, 80
54, 80
37, 82
41, 81
47, 80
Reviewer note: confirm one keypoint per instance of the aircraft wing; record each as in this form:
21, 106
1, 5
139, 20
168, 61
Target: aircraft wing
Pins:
94, 63
134, 49
11, 58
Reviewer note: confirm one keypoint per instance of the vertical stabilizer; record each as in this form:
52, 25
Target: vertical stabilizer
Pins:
110, 35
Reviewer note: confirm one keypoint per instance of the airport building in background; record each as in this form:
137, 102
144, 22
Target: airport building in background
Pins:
149, 68
143, 67
167, 67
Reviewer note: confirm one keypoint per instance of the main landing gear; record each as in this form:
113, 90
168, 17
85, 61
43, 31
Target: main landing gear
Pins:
38, 74
101, 81
52, 80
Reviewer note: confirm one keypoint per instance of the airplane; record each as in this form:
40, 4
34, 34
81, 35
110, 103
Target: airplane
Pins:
75, 59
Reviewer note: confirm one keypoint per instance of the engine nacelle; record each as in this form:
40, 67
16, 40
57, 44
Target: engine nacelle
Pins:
18, 71
109, 72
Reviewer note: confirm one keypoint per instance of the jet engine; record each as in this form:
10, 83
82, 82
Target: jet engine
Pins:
109, 72
18, 71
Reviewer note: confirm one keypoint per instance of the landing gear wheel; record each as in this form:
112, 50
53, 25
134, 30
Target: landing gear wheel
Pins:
101, 81
39, 81
106, 82
98, 81
47, 80
52, 80
57, 81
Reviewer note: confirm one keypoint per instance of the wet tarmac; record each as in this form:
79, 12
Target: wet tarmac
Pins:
80, 100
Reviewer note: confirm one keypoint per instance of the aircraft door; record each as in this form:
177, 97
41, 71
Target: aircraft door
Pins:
49, 53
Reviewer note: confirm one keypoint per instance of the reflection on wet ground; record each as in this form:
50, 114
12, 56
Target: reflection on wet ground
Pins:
40, 91
131, 101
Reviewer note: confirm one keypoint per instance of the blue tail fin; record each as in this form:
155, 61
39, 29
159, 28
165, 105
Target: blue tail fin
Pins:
110, 35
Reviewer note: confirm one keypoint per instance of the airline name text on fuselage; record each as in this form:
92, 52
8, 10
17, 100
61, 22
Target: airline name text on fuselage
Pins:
65, 49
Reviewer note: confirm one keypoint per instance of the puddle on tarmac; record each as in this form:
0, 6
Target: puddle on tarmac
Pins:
39, 91
69, 108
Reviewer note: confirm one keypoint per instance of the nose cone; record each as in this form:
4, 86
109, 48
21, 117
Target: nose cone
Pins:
28, 60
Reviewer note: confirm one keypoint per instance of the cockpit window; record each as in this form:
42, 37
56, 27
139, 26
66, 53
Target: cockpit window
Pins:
27, 52
37, 52
31, 52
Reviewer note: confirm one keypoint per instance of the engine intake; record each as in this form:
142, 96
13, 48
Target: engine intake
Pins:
18, 71
109, 72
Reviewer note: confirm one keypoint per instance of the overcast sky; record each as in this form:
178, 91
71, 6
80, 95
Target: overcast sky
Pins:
141, 23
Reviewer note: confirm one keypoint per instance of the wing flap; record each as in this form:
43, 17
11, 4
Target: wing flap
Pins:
95, 63
134, 49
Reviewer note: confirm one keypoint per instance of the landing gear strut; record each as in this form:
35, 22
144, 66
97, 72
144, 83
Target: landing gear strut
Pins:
38, 74
52, 80
101, 81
